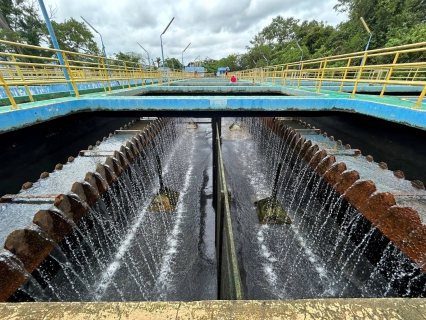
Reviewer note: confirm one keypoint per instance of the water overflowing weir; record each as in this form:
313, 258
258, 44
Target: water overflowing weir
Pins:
344, 240
101, 242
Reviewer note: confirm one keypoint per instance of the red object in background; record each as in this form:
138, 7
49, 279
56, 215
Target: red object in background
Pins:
233, 79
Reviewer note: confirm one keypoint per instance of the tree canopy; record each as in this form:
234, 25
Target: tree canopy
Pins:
392, 23
20, 21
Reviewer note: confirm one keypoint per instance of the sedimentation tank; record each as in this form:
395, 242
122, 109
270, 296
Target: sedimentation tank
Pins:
132, 218
229, 193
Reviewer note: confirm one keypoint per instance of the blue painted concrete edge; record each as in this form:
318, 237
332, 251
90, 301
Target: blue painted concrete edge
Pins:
20, 118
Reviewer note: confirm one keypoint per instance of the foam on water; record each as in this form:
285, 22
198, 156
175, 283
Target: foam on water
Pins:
173, 239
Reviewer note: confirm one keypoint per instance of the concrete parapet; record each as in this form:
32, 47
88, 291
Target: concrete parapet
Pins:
389, 308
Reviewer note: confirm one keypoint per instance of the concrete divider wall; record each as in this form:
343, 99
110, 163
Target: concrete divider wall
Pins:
230, 287
25, 249
402, 225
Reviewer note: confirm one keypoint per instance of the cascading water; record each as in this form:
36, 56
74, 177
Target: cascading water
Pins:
120, 251
329, 250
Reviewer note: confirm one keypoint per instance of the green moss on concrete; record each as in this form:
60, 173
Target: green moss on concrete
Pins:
270, 211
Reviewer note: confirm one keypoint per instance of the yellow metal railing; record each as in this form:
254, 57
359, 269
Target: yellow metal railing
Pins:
42, 67
402, 66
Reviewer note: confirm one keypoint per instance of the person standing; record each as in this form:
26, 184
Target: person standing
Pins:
226, 72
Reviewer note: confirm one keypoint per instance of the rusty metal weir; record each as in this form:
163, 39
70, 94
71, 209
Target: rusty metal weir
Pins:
394, 205
27, 245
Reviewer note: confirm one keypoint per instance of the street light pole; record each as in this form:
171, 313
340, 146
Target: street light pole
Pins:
182, 55
102, 41
149, 63
369, 38
161, 39
267, 62
55, 45
301, 57
369, 32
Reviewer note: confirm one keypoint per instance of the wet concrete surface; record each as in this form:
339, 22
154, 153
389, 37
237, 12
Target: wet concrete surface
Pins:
401, 147
28, 152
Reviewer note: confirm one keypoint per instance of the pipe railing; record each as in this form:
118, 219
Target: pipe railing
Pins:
41, 67
402, 66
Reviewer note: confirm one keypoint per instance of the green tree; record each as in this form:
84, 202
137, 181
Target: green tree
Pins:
74, 36
20, 22
172, 63
130, 56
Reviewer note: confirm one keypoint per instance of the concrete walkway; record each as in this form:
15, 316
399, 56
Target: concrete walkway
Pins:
414, 309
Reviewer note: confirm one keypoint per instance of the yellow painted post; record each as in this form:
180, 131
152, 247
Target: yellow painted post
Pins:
322, 75
415, 74
46, 74
364, 59
318, 75
419, 101
389, 75
345, 74
142, 75
300, 75
127, 74
105, 73
9, 94
23, 79
285, 75
35, 72
11, 75
64, 56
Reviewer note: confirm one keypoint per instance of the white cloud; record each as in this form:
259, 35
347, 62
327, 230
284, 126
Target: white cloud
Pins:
214, 28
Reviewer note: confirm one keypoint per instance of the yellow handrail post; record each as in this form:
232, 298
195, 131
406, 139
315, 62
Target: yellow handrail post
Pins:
11, 75
23, 79
345, 74
419, 101
105, 72
300, 75
142, 75
322, 76
415, 74
64, 56
285, 75
389, 75
364, 59
127, 74
9, 94
318, 75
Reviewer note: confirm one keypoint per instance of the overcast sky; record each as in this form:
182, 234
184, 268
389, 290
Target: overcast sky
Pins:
215, 29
